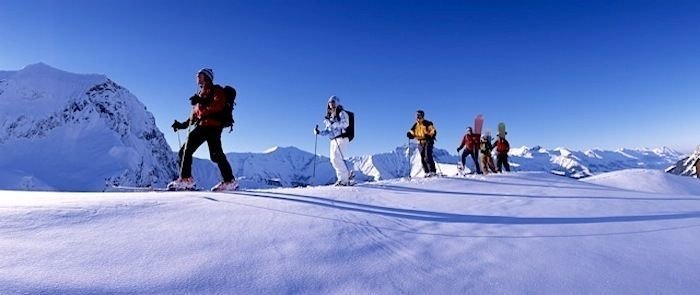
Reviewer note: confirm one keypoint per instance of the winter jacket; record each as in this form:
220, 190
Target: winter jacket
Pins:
502, 146
486, 146
336, 124
207, 111
469, 142
423, 130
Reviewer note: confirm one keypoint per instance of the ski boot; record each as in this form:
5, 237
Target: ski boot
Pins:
224, 186
182, 184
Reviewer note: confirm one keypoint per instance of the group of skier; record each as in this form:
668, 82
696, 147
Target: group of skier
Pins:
473, 145
211, 105
479, 148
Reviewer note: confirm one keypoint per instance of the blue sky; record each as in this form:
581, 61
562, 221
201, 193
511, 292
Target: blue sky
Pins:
579, 74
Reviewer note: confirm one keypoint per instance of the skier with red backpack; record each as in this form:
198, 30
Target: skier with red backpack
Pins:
340, 128
502, 149
470, 143
211, 112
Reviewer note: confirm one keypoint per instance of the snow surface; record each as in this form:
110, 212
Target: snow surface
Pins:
512, 233
645, 180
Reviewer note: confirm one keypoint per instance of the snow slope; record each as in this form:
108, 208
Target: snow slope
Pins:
645, 180
521, 233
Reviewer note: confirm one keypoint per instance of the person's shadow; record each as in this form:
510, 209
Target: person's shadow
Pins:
442, 217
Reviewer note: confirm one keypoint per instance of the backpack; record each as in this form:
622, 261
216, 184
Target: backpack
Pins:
227, 113
427, 125
350, 131
502, 146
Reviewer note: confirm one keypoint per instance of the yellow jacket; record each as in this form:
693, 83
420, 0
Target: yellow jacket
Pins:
423, 130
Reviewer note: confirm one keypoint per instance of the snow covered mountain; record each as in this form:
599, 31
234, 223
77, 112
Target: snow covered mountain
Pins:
686, 166
579, 164
66, 131
560, 161
290, 166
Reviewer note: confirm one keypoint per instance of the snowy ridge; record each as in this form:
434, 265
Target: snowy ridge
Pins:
686, 166
290, 166
579, 164
67, 131
650, 181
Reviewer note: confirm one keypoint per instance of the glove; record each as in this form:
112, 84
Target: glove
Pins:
410, 135
195, 99
197, 111
316, 131
179, 125
458, 149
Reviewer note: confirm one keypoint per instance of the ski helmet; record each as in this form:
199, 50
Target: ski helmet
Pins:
334, 99
209, 73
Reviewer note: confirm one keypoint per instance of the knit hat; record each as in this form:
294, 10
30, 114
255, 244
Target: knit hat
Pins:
209, 73
334, 99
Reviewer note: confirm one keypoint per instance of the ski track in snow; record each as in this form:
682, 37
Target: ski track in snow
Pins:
511, 233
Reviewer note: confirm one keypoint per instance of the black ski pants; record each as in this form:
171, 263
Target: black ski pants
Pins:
502, 161
475, 157
426, 156
212, 136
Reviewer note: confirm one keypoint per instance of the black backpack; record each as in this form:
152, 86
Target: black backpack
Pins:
350, 131
227, 114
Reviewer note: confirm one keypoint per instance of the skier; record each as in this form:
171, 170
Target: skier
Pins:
207, 105
470, 142
337, 122
486, 158
502, 149
424, 132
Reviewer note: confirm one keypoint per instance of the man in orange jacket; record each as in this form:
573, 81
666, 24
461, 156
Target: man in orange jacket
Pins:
207, 106
424, 132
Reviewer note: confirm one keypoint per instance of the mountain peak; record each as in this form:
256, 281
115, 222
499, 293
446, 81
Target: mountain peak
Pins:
279, 149
271, 150
665, 150
42, 70
39, 65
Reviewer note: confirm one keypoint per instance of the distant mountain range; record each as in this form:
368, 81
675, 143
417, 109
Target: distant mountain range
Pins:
77, 132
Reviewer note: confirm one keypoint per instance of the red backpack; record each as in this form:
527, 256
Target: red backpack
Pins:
502, 146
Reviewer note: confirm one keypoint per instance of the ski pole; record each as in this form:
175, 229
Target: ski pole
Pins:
408, 154
179, 143
436, 160
184, 148
315, 154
